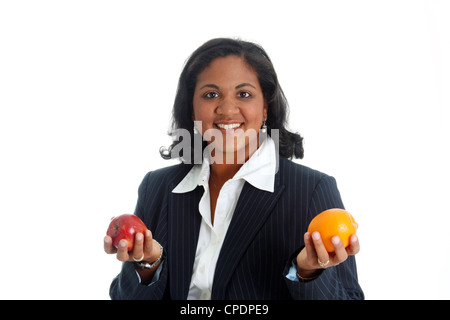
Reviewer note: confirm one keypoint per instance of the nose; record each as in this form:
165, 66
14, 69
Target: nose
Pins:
227, 106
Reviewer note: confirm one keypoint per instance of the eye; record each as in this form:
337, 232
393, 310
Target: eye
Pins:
211, 95
244, 94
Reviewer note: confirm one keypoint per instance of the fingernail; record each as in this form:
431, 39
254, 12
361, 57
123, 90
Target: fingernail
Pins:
307, 236
139, 236
123, 243
316, 235
354, 238
147, 233
335, 240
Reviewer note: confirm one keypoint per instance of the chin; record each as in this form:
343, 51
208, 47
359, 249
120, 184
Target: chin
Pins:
235, 151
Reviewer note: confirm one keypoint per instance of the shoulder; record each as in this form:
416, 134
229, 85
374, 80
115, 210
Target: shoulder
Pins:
306, 183
292, 172
309, 188
305, 180
167, 175
157, 184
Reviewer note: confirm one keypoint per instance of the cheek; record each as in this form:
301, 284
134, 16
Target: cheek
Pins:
255, 114
200, 113
195, 109
198, 107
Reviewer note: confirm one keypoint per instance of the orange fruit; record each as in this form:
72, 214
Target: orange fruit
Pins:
333, 222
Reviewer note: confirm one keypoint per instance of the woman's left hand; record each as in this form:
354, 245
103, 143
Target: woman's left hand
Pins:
314, 256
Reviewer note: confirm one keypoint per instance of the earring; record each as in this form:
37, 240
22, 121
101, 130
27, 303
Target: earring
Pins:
264, 127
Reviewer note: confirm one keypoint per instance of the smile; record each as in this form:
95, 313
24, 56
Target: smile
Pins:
228, 126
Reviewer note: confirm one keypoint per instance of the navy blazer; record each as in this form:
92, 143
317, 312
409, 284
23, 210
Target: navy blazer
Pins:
265, 234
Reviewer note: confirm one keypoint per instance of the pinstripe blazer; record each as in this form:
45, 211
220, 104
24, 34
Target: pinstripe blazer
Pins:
265, 234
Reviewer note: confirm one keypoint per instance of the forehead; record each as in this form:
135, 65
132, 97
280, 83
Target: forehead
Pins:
228, 69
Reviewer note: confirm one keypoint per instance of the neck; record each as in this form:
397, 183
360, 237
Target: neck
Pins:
231, 162
223, 172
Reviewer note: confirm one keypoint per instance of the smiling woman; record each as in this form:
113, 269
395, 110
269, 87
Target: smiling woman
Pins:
254, 59
229, 229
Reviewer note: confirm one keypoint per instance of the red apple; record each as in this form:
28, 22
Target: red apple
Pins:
125, 227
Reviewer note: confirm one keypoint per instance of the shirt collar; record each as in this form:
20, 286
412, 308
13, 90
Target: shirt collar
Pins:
259, 170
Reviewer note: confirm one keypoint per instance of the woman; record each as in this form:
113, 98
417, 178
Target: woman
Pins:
230, 221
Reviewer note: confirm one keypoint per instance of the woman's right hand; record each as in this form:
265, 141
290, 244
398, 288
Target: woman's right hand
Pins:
144, 247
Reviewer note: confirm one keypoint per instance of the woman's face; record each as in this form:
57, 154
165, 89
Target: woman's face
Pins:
229, 99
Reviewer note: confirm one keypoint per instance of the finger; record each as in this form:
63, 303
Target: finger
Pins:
309, 245
138, 249
354, 246
339, 250
321, 251
148, 243
122, 251
108, 246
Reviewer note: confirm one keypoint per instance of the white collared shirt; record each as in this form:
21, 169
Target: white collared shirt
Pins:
259, 171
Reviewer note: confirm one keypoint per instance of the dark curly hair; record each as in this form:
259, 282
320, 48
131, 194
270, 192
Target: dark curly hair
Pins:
290, 144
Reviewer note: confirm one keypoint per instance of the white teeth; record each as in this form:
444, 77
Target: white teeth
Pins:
228, 126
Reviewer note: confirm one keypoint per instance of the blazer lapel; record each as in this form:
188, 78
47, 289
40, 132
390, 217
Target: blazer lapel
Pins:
252, 210
184, 224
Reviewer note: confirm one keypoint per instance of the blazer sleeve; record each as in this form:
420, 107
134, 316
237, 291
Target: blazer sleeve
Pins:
335, 283
126, 285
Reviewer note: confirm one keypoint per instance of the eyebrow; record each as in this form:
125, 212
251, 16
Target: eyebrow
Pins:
210, 86
244, 85
237, 87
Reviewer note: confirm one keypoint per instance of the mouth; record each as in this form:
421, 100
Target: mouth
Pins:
228, 126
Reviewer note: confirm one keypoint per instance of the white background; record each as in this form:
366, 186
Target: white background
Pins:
86, 90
